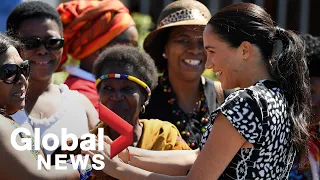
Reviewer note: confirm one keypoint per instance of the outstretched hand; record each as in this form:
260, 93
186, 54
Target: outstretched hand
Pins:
123, 155
110, 165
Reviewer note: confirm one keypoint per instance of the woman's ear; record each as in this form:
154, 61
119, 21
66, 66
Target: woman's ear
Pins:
143, 100
165, 52
246, 50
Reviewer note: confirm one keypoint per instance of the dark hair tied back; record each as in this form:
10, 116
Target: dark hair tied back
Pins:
279, 33
248, 22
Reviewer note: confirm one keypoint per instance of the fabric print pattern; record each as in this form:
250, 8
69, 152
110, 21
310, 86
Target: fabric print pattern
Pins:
183, 15
22, 135
260, 115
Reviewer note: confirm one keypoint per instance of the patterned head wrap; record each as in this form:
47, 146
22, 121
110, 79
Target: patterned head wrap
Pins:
90, 25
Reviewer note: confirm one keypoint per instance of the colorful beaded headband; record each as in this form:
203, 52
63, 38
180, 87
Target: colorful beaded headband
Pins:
124, 76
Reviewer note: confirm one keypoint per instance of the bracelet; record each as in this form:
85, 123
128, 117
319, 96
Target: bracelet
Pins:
129, 160
84, 174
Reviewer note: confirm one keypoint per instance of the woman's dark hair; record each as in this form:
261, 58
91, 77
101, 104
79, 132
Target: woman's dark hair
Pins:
248, 22
312, 52
133, 62
29, 10
5, 43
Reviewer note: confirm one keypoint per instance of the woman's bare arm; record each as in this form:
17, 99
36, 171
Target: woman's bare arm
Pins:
92, 114
173, 162
222, 145
21, 164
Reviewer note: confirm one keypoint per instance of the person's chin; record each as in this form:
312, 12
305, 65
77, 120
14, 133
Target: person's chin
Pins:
128, 119
21, 104
41, 76
191, 75
123, 116
15, 109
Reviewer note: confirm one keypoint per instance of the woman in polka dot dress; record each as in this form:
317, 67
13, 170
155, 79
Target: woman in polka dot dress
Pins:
259, 129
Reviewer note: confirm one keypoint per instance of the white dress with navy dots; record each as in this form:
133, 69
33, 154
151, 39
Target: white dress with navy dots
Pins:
260, 114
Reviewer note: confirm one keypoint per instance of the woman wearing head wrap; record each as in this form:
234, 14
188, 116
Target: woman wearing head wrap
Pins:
90, 26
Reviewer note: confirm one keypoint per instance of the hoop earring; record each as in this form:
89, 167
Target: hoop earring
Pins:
143, 109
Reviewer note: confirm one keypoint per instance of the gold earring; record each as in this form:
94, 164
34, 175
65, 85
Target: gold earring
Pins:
143, 109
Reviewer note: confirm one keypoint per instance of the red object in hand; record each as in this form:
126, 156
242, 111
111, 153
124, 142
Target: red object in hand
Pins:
121, 126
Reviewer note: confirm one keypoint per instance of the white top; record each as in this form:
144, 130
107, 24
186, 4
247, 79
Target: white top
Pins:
71, 115
76, 71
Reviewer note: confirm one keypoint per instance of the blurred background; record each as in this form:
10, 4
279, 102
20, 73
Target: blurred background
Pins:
298, 15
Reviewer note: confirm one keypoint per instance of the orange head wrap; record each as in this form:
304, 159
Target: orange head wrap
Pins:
90, 25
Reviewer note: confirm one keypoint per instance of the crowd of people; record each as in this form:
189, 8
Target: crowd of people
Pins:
260, 120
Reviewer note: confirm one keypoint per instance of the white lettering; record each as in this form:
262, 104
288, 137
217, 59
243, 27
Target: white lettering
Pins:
65, 137
50, 142
79, 160
58, 165
55, 141
98, 159
37, 139
27, 141
100, 139
90, 142
42, 161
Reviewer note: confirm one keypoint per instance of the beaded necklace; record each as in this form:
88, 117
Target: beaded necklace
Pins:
190, 125
34, 152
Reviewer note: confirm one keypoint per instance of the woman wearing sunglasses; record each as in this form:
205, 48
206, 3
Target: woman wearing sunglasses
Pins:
14, 73
48, 106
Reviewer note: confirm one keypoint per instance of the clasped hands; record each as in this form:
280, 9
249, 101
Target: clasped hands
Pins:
110, 165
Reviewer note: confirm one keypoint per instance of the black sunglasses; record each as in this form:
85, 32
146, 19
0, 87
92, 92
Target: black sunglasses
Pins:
52, 43
11, 73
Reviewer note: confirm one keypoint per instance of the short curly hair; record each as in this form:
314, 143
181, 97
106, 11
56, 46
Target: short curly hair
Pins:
29, 10
133, 62
312, 53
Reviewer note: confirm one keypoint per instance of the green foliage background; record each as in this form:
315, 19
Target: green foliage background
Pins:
144, 24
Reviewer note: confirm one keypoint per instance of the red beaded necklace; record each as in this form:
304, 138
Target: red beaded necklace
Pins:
201, 113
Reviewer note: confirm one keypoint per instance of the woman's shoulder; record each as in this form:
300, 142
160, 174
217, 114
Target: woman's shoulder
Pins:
240, 96
68, 93
5, 126
258, 91
154, 122
157, 124
161, 135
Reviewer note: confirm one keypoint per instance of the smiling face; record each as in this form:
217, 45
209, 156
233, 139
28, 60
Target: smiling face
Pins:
222, 59
184, 52
12, 96
43, 62
122, 96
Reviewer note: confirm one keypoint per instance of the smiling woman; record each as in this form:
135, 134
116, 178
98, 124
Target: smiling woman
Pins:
186, 97
14, 74
49, 107
258, 130
125, 78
